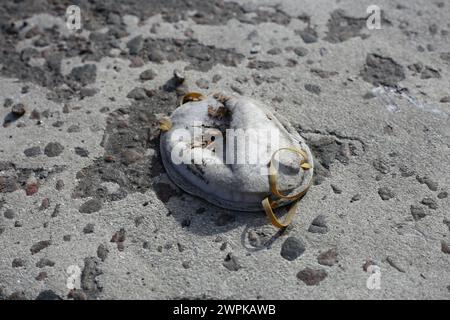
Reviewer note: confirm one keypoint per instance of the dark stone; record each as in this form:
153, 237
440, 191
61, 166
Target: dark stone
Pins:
309, 35
73, 128
417, 212
181, 247
89, 228
56, 210
431, 184
445, 247
405, 171
81, 152
336, 189
8, 184
41, 276
231, 262
216, 78
328, 258
102, 252
300, 51
45, 204
355, 198
18, 110
17, 263
318, 225
85, 74
322, 73
274, 51
342, 27
429, 73
312, 277
59, 185
386, 193
135, 45
148, 74
53, 149
137, 94
292, 248
88, 92
263, 65
91, 206
381, 166
48, 295
138, 221
58, 124
442, 195
119, 239
146, 245
430, 203
8, 102
89, 283
416, 67
9, 214
313, 88
44, 262
41, 245
380, 70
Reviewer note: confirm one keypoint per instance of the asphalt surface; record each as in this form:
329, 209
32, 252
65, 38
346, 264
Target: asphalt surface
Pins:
88, 212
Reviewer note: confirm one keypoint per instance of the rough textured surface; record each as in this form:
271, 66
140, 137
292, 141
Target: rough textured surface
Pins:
81, 182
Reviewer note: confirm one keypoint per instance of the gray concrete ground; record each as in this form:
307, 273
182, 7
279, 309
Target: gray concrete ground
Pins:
84, 197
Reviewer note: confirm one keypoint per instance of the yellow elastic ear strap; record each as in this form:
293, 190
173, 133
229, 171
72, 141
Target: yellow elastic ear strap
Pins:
191, 96
273, 175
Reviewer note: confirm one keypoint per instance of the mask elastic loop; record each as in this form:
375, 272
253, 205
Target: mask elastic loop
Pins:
269, 205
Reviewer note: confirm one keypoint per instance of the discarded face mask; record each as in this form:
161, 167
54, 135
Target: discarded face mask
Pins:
236, 153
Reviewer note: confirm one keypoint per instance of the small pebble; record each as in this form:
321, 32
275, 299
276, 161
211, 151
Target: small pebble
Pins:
89, 228
355, 198
231, 262
53, 149
292, 248
18, 262
32, 152
430, 203
148, 74
318, 225
312, 277
9, 214
328, 258
91, 206
417, 212
442, 195
44, 262
18, 109
386, 193
102, 252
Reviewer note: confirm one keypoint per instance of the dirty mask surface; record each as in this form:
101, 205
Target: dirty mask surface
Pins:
236, 153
